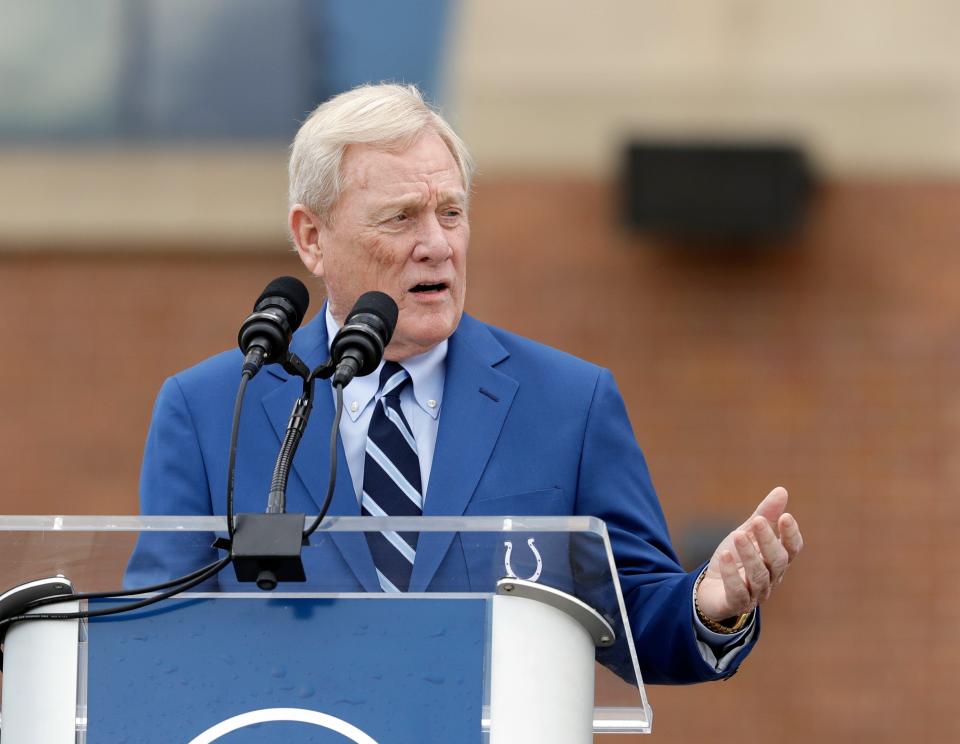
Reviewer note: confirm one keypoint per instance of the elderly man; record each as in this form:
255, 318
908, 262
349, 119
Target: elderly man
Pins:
482, 422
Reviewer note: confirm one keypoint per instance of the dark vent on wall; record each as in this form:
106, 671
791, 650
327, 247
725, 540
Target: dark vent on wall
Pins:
716, 191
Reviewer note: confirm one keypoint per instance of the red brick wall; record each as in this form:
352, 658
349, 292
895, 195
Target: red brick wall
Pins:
829, 365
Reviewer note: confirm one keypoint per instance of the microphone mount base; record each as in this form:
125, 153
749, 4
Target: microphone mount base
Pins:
266, 549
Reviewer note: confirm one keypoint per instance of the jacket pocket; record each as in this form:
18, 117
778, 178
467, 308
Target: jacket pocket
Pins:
543, 502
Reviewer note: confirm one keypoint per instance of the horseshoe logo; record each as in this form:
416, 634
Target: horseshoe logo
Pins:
508, 544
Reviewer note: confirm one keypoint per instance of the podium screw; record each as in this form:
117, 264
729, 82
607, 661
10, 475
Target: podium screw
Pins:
508, 587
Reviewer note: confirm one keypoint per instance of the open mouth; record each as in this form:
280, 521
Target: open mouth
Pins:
426, 288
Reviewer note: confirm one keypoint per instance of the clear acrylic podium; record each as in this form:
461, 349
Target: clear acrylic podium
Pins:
515, 647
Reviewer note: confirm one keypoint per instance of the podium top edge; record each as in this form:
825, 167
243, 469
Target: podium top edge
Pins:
174, 523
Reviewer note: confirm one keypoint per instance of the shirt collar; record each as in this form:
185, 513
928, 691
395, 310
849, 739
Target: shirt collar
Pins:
427, 373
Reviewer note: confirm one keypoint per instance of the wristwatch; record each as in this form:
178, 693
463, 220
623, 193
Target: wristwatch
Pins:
727, 627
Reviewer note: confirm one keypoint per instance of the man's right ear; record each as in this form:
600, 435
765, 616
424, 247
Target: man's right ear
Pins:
305, 229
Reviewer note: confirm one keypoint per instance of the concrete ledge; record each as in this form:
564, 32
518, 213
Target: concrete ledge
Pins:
109, 198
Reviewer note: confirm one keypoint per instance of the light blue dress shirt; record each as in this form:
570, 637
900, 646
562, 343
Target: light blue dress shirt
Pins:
421, 403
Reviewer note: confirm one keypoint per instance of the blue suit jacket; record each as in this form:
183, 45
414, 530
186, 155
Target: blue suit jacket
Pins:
524, 430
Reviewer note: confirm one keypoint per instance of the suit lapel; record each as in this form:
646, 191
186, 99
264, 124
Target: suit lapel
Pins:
476, 400
310, 465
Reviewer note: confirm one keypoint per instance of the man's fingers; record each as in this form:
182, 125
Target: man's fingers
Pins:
790, 535
762, 550
738, 596
758, 577
773, 505
774, 554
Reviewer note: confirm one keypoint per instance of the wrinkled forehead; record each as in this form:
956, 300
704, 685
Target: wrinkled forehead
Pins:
426, 166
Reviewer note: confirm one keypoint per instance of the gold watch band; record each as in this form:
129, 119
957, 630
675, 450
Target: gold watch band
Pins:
716, 626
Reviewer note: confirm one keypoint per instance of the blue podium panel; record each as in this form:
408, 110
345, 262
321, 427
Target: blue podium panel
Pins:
239, 670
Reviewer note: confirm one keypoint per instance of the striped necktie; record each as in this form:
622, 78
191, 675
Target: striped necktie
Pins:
391, 481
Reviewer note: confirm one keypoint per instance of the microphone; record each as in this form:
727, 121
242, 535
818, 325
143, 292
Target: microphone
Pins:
358, 347
265, 335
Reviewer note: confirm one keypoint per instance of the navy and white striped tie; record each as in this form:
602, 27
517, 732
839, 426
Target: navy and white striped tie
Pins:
391, 481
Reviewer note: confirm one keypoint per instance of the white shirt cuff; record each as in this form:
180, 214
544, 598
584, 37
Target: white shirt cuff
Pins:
720, 649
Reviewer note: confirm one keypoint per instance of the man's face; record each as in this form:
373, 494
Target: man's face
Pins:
400, 227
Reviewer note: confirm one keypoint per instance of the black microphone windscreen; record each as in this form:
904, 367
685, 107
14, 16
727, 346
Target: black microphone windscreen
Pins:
381, 305
292, 290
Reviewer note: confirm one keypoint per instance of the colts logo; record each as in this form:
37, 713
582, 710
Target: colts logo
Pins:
508, 544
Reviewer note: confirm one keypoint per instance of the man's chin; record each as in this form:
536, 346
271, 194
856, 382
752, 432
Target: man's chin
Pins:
411, 339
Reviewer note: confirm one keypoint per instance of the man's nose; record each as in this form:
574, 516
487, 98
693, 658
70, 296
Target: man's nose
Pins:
432, 244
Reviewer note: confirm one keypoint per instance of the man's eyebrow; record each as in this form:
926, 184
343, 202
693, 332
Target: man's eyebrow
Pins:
451, 196
416, 199
413, 199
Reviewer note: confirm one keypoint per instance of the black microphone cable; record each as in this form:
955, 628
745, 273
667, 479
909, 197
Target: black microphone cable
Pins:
172, 587
332, 481
232, 460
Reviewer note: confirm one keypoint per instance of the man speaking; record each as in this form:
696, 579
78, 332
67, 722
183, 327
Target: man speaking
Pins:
461, 418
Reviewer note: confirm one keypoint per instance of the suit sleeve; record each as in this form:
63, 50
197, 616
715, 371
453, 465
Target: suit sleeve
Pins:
614, 485
173, 481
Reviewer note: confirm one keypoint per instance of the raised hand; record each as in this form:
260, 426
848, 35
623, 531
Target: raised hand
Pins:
751, 561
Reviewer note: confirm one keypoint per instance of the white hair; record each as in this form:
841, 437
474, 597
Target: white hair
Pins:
386, 116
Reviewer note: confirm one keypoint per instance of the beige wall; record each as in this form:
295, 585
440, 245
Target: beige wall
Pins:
139, 199
873, 87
